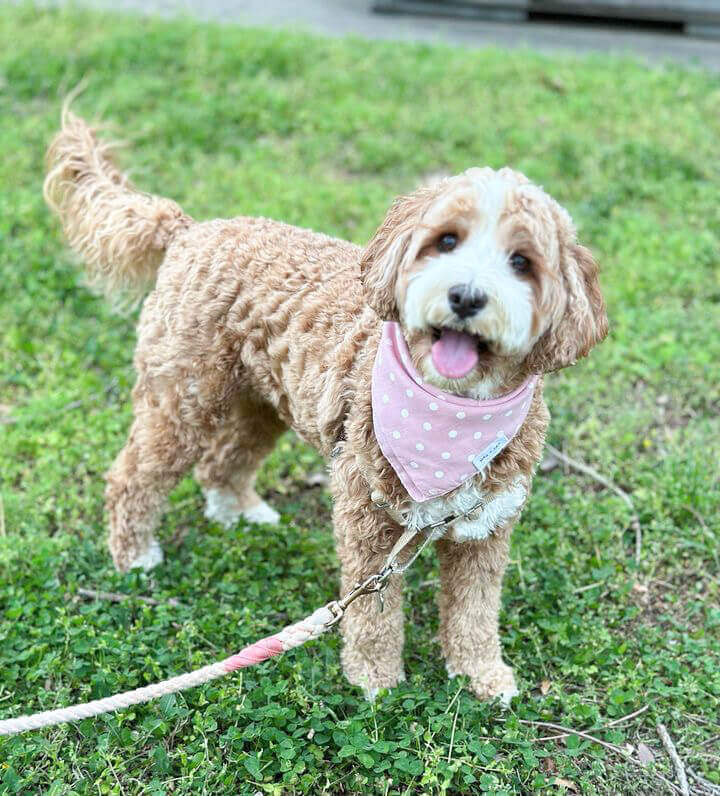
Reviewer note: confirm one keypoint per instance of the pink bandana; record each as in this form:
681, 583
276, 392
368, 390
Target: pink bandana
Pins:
434, 440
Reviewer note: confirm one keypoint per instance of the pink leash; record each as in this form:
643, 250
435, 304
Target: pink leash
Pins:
288, 638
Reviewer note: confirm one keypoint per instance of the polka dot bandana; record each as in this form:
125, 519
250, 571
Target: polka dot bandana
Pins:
435, 440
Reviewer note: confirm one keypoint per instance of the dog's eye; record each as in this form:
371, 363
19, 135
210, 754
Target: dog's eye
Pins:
520, 263
447, 242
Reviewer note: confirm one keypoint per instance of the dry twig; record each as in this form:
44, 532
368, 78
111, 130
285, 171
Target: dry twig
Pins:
704, 785
612, 747
675, 757
116, 597
607, 726
621, 493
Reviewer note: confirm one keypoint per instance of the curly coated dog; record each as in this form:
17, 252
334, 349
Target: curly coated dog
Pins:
413, 364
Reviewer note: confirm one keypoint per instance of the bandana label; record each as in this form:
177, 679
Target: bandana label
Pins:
482, 459
434, 440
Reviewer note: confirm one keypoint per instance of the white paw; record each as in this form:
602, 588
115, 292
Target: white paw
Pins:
222, 507
150, 558
262, 514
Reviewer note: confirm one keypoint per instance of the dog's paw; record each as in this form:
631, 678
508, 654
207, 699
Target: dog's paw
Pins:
261, 514
495, 682
224, 508
370, 678
149, 559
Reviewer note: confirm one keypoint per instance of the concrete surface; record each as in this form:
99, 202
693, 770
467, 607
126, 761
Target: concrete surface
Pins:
345, 17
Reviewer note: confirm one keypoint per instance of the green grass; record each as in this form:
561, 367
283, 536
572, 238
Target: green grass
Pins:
323, 133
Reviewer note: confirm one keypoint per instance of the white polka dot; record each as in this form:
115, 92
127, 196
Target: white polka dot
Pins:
396, 435
487, 417
404, 412
508, 413
433, 407
414, 465
445, 455
392, 377
460, 415
477, 435
409, 393
427, 426
386, 399
419, 446
452, 434
439, 474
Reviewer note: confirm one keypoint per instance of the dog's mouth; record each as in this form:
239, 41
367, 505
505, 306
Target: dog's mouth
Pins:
455, 353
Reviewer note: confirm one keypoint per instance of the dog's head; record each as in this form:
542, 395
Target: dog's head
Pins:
484, 270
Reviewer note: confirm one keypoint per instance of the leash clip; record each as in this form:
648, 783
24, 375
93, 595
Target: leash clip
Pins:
375, 584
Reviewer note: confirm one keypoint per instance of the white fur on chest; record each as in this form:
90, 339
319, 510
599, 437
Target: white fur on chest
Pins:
495, 511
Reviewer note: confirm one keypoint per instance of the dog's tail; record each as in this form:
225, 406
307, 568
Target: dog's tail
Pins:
120, 232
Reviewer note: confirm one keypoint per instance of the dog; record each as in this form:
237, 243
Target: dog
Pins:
393, 360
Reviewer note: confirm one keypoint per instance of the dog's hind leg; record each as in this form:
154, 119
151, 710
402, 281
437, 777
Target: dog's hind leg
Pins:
171, 421
157, 454
230, 460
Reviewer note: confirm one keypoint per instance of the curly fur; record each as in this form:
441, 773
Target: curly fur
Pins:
120, 232
254, 326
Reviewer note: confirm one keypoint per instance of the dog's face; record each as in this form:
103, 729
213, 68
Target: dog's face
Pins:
483, 271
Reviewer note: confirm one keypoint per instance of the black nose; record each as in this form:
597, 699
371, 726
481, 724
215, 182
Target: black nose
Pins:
466, 301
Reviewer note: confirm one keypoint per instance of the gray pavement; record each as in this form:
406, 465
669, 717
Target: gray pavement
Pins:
354, 17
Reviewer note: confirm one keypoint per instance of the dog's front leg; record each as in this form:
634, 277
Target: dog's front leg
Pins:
373, 639
471, 575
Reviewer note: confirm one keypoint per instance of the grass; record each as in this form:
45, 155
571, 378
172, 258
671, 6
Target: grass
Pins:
323, 133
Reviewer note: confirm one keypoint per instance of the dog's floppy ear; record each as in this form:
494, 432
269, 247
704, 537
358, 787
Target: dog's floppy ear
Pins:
584, 322
388, 249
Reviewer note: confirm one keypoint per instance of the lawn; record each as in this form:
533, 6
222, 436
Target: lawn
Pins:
323, 133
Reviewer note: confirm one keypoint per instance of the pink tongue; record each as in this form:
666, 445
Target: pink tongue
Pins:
454, 354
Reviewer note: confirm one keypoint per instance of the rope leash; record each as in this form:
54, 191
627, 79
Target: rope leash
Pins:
288, 638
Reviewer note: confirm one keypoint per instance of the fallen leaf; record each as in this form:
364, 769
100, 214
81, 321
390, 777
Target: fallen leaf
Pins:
549, 765
544, 687
645, 755
566, 783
